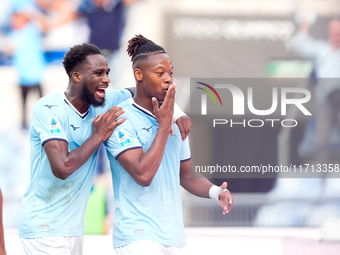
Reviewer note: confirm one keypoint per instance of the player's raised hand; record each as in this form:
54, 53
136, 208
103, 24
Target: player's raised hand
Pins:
225, 199
184, 125
164, 113
106, 123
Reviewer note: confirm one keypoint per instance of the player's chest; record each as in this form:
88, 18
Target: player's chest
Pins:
147, 132
78, 131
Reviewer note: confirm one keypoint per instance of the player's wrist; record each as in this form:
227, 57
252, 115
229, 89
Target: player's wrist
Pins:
97, 138
215, 191
164, 126
177, 113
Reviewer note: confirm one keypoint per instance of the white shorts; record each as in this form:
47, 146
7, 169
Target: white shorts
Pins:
54, 245
146, 247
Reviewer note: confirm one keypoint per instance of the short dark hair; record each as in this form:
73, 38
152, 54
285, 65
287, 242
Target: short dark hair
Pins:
140, 48
77, 55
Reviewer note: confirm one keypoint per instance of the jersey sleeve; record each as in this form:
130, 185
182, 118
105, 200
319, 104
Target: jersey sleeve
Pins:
48, 122
115, 97
124, 138
185, 150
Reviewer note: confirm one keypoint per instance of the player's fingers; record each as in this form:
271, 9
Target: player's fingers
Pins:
224, 185
113, 111
187, 127
118, 114
172, 95
120, 121
169, 99
98, 118
183, 133
227, 196
180, 127
231, 198
172, 132
155, 104
226, 209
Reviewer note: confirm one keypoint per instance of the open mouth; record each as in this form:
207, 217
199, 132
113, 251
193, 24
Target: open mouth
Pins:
100, 92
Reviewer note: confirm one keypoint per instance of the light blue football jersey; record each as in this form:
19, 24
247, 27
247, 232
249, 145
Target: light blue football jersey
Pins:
154, 212
51, 206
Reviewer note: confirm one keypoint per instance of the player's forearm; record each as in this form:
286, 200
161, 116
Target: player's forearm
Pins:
195, 183
197, 186
150, 161
73, 160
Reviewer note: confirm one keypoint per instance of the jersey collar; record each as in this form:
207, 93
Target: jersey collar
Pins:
82, 115
142, 109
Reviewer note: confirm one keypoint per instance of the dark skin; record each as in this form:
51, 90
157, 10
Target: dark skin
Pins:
94, 75
154, 83
152, 86
2, 241
184, 126
183, 122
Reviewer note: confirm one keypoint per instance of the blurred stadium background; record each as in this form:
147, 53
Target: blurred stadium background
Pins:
210, 39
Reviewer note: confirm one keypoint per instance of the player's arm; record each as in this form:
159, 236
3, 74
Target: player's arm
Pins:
143, 166
2, 239
183, 122
64, 162
202, 187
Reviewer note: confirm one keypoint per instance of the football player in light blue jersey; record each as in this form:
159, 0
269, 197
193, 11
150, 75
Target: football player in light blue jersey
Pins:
66, 131
148, 165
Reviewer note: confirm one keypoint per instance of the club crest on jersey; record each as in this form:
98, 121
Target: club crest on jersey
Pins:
53, 123
122, 137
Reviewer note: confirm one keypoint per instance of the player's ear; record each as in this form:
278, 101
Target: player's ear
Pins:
76, 76
138, 74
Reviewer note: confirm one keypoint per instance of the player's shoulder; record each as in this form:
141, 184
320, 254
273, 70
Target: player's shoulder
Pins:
126, 103
53, 102
118, 95
128, 112
55, 98
110, 92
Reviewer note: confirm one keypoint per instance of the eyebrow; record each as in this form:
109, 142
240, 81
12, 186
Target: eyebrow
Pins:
172, 67
101, 70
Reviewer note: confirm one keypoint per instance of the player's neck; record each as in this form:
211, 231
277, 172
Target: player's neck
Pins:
144, 102
77, 101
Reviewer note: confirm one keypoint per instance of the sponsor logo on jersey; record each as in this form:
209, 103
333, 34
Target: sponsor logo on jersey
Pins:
147, 129
49, 106
74, 127
122, 137
54, 125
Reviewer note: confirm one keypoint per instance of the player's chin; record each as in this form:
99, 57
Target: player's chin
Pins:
99, 102
161, 99
162, 95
